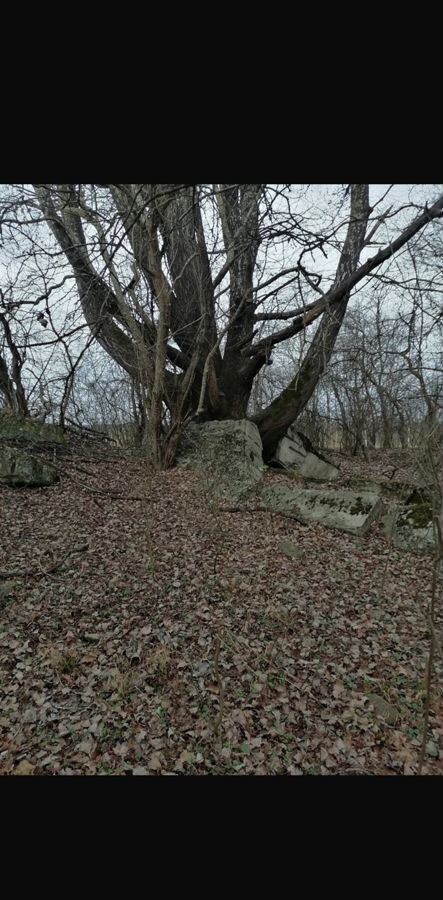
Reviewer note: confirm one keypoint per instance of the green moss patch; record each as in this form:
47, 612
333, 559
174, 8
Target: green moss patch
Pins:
29, 430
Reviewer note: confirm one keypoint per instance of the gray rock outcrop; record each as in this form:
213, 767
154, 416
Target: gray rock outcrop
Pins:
229, 453
19, 469
29, 430
296, 453
351, 511
407, 518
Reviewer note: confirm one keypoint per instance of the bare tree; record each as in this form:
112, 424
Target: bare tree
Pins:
183, 286
11, 385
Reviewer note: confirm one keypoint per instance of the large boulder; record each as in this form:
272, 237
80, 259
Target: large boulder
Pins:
19, 469
296, 453
351, 511
228, 452
408, 519
29, 430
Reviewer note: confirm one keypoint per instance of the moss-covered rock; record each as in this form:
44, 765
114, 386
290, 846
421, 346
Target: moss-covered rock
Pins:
29, 431
19, 469
349, 511
229, 453
408, 518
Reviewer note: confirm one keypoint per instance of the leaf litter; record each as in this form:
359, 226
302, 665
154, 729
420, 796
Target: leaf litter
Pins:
182, 639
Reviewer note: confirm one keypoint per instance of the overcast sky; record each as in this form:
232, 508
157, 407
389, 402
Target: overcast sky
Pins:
318, 197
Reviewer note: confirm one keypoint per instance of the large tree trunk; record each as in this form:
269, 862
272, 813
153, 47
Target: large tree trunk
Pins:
11, 386
285, 409
238, 206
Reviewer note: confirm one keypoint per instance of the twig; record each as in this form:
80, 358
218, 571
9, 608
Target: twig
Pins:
221, 688
438, 516
113, 494
40, 573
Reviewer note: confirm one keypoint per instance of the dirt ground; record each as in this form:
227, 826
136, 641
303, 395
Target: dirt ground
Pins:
146, 630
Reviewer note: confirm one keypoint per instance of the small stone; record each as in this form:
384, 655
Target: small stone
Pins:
200, 669
290, 550
432, 749
29, 716
383, 709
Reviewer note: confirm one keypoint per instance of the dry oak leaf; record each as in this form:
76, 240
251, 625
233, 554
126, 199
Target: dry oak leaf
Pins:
24, 768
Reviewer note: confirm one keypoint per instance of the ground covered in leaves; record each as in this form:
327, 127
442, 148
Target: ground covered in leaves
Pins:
145, 629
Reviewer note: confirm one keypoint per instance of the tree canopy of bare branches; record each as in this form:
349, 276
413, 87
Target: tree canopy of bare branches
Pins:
192, 288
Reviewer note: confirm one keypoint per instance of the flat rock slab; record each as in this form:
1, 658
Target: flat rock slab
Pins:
349, 511
296, 453
19, 469
228, 453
